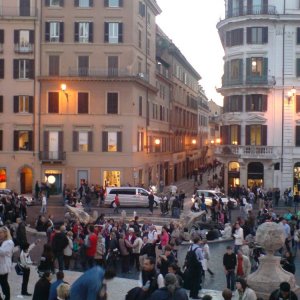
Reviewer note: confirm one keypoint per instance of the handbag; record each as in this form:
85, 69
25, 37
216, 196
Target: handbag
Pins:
19, 269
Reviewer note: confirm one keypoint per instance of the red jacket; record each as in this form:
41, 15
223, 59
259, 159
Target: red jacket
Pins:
91, 250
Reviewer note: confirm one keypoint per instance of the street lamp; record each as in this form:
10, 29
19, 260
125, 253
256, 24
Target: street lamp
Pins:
63, 87
157, 142
194, 141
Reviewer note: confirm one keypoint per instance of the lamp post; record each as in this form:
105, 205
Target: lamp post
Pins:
63, 87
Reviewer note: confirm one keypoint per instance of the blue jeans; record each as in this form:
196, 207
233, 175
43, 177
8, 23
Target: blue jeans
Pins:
230, 277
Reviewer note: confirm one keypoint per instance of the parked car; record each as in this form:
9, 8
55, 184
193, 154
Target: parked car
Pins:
7, 192
129, 196
210, 194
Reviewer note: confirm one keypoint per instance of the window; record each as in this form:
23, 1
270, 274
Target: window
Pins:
142, 9
235, 37
112, 103
54, 65
257, 35
83, 65
256, 102
24, 8
1, 39
54, 32
23, 140
24, 40
257, 70
23, 104
53, 102
140, 106
113, 65
1, 104
112, 141
54, 3
233, 103
83, 103
297, 103
83, 3
113, 32
140, 38
256, 135
256, 66
113, 3
23, 69
83, 32
140, 141
297, 139
1, 68
235, 69
231, 134
82, 141
298, 36
297, 67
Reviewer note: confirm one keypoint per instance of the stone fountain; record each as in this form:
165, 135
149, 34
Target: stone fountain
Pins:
270, 274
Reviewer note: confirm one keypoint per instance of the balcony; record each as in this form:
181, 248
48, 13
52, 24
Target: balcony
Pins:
20, 12
52, 156
20, 48
252, 10
246, 152
249, 81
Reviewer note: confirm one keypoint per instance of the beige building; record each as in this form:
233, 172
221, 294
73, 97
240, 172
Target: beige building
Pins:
93, 100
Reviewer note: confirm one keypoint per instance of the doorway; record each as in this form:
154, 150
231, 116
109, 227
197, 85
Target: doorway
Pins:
82, 177
26, 180
255, 174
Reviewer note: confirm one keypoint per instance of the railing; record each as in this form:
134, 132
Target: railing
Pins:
28, 48
8, 11
246, 151
52, 156
98, 72
250, 80
252, 10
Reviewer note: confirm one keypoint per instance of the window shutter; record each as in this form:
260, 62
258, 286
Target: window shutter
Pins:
47, 32
249, 7
241, 7
119, 141
241, 36
248, 67
297, 138
121, 4
228, 34
249, 35
16, 36
265, 6
1, 68
76, 30
16, 140
298, 67
60, 143
297, 103
240, 103
31, 104
264, 135
46, 143
31, 69
90, 141
76, 3
53, 102
75, 141
91, 3
264, 102
298, 35
121, 32
83, 103
224, 134
1, 36
30, 140
1, 104
104, 141
61, 32
91, 32
1, 140
230, 6
248, 137
241, 73
239, 134
62, 3
47, 2
106, 32
265, 35
16, 104
140, 106
265, 67
106, 3
248, 103
226, 103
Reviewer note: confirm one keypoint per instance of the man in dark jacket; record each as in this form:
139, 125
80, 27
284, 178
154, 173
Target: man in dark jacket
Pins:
21, 233
59, 243
283, 293
151, 202
42, 287
229, 263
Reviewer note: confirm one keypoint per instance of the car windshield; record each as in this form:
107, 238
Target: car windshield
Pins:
221, 195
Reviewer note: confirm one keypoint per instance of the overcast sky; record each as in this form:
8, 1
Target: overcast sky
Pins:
191, 24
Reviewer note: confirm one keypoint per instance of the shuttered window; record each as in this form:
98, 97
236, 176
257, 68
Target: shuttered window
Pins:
113, 3
53, 102
112, 103
1, 140
298, 67
256, 135
1, 68
235, 37
140, 106
113, 32
23, 104
298, 36
297, 138
257, 35
54, 65
1, 104
83, 103
23, 140
256, 102
23, 69
112, 141
297, 103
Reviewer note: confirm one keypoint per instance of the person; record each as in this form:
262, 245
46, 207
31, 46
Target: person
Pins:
6, 252
151, 202
116, 204
63, 291
170, 291
229, 263
244, 292
53, 288
47, 260
36, 190
227, 294
21, 237
238, 237
243, 266
165, 260
90, 284
100, 250
283, 293
44, 204
136, 250
42, 287
124, 246
68, 251
287, 262
91, 245
25, 261
194, 271
206, 258
175, 269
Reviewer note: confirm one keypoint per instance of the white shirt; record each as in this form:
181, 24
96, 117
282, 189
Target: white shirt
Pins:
239, 236
6, 252
152, 236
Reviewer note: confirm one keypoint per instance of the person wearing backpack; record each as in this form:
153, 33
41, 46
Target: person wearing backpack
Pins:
194, 270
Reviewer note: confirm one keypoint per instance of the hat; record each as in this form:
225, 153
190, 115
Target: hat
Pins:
285, 286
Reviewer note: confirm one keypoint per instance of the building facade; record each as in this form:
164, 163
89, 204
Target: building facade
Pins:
260, 123
93, 99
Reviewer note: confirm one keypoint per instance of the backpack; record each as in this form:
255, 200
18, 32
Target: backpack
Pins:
191, 261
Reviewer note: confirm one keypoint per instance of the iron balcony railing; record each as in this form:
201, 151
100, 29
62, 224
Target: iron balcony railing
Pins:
252, 10
21, 48
52, 156
250, 80
11, 11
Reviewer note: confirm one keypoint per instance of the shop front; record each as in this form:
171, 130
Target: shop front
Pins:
233, 174
112, 178
255, 174
3, 178
53, 179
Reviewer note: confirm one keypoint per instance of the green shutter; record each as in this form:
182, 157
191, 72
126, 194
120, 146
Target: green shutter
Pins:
265, 67
241, 71
298, 67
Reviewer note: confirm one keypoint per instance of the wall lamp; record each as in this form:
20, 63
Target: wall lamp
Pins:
291, 94
157, 142
64, 88
194, 141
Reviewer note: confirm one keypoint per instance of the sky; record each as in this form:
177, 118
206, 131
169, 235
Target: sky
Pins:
191, 25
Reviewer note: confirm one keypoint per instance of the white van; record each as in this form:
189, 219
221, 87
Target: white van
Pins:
129, 196
210, 194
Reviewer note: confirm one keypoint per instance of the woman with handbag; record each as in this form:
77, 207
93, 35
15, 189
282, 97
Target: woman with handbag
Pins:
25, 262
6, 252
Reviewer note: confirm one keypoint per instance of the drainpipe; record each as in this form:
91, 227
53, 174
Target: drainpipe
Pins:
39, 86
